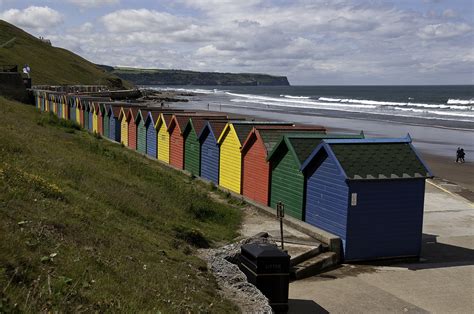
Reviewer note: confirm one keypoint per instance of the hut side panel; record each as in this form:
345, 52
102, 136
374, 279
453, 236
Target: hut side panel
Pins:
151, 139
230, 162
141, 137
210, 158
95, 120
114, 129
176, 148
387, 220
132, 135
78, 115
255, 172
191, 154
100, 124
163, 144
72, 116
287, 184
106, 126
326, 197
124, 131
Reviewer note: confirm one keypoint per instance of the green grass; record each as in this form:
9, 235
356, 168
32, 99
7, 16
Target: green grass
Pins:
49, 65
87, 225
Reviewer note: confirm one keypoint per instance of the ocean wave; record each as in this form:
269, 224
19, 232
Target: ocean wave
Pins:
438, 115
391, 103
410, 109
186, 90
298, 102
452, 114
460, 101
347, 108
295, 97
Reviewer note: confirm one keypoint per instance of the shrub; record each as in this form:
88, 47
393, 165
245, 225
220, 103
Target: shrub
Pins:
192, 236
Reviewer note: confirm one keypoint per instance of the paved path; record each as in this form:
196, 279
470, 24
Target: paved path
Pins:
442, 283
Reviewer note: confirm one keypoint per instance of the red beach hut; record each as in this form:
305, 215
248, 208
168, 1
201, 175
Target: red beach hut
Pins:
175, 129
255, 167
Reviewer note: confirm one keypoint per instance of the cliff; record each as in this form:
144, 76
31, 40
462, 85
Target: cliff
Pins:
182, 77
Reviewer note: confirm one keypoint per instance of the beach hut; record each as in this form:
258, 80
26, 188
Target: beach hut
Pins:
141, 130
122, 119
77, 109
230, 160
163, 137
175, 130
370, 193
132, 128
151, 139
72, 108
210, 150
114, 124
192, 146
59, 107
286, 178
95, 117
106, 118
65, 106
87, 115
90, 114
255, 167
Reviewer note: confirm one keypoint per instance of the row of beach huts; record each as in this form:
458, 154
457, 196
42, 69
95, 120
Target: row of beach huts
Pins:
368, 192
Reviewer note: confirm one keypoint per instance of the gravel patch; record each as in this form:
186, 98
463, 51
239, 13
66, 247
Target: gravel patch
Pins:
231, 280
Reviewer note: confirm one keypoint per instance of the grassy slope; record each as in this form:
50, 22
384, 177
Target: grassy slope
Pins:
49, 65
89, 225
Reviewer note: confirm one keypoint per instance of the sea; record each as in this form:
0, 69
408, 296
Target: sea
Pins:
441, 115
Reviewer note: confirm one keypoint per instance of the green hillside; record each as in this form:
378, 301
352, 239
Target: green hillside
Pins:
89, 226
183, 77
49, 65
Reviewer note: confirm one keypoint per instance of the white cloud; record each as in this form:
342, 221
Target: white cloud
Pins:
93, 3
33, 17
311, 41
143, 20
446, 30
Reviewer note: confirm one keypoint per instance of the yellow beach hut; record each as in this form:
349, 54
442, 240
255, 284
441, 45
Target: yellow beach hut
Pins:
163, 137
78, 110
95, 117
230, 142
123, 126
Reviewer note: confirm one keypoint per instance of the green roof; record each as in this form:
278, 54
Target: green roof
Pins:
302, 145
272, 137
379, 160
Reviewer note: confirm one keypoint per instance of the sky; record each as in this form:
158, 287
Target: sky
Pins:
312, 42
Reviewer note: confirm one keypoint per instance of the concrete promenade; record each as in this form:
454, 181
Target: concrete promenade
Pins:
443, 282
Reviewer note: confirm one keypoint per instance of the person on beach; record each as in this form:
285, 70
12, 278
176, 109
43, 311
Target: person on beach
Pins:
461, 155
458, 154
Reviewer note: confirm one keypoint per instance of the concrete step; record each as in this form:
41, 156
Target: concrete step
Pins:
300, 258
314, 265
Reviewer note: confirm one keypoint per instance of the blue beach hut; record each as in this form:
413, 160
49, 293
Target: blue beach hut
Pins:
72, 108
90, 112
151, 143
209, 153
370, 193
114, 124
